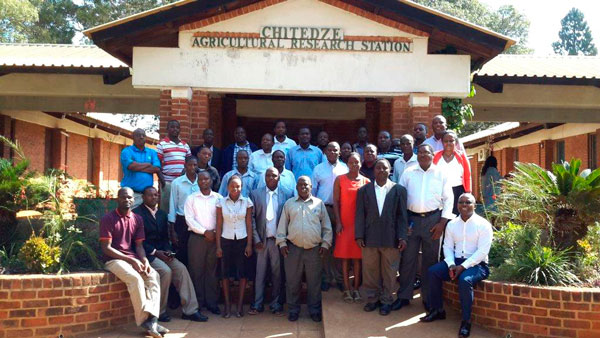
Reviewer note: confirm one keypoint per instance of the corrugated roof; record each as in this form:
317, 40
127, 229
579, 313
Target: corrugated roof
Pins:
554, 66
490, 131
48, 55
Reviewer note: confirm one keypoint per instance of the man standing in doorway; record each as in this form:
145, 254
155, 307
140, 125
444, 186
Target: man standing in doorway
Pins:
385, 149
304, 235
139, 163
408, 158
262, 159
121, 241
287, 180
208, 137
368, 166
439, 127
419, 134
249, 179
429, 209
229, 157
172, 153
322, 140
204, 158
363, 140
324, 177
282, 142
303, 158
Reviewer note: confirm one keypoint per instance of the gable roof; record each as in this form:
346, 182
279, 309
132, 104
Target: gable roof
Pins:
159, 27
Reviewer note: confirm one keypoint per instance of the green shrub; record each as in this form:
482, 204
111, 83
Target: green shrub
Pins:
588, 259
38, 256
512, 240
545, 266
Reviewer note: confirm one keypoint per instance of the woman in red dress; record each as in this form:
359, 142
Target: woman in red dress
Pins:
345, 189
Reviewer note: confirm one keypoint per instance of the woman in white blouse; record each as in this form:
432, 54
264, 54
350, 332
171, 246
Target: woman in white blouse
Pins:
455, 164
234, 241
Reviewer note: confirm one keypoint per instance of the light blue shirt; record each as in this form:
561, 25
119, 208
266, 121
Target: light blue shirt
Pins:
323, 178
302, 161
285, 145
287, 181
249, 180
181, 188
137, 180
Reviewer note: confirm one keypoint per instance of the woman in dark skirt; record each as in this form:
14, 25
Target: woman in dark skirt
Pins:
234, 241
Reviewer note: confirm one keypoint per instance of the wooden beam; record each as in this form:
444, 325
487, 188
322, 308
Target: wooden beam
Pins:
81, 104
537, 115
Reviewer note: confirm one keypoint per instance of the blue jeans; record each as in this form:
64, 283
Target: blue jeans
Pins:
466, 281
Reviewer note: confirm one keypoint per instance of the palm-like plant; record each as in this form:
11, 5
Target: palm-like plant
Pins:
564, 201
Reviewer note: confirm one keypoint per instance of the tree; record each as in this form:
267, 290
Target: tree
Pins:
16, 17
506, 20
56, 24
575, 37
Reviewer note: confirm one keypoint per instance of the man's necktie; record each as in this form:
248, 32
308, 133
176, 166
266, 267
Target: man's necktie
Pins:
270, 210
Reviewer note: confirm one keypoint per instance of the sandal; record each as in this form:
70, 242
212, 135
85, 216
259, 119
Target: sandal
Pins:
348, 297
357, 297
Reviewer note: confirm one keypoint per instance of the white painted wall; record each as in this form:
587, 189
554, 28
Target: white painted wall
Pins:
302, 72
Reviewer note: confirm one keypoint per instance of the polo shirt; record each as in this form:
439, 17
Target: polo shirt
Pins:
173, 157
123, 231
138, 180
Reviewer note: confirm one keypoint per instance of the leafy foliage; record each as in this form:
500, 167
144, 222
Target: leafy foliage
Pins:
511, 240
588, 260
545, 266
575, 36
457, 112
38, 256
16, 18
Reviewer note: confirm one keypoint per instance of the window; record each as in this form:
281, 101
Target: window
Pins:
560, 152
592, 152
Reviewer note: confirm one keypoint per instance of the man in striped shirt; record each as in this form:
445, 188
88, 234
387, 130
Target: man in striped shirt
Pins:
172, 153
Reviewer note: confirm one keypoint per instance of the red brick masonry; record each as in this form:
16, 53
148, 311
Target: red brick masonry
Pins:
529, 311
73, 304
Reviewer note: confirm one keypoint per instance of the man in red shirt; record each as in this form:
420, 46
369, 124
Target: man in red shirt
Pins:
121, 241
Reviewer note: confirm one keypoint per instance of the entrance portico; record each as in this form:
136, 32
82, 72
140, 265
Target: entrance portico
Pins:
331, 64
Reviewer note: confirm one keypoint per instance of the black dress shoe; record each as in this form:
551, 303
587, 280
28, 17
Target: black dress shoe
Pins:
417, 283
371, 306
165, 318
214, 310
292, 316
399, 303
325, 286
465, 329
385, 309
195, 317
316, 317
434, 315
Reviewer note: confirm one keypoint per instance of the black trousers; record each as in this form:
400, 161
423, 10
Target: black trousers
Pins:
183, 235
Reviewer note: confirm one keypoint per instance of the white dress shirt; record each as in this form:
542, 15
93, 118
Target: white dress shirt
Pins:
272, 224
380, 193
259, 161
201, 212
286, 181
234, 217
428, 190
283, 146
323, 178
454, 171
471, 240
400, 165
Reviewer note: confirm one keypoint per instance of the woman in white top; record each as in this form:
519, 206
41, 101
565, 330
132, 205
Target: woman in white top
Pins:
456, 166
234, 241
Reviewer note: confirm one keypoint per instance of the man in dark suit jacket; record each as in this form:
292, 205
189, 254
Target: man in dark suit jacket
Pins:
228, 157
208, 137
161, 257
381, 228
268, 203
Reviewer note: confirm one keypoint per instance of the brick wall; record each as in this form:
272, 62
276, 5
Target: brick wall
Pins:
74, 304
528, 311
77, 156
577, 147
32, 138
530, 153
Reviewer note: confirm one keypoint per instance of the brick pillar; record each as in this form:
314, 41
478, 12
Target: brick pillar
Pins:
97, 160
508, 161
6, 131
215, 117
372, 118
399, 117
598, 148
199, 117
59, 149
546, 154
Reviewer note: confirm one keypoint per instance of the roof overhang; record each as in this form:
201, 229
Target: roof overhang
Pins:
109, 75
159, 27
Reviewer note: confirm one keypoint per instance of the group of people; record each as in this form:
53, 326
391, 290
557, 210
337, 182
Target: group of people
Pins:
285, 211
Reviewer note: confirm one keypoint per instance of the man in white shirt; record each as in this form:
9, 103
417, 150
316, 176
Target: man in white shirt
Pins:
268, 203
439, 127
281, 141
466, 246
324, 176
429, 209
408, 158
261, 159
201, 217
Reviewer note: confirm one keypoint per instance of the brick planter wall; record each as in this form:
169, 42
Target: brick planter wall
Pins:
529, 311
73, 304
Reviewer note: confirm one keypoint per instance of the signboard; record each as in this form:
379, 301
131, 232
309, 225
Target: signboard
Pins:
302, 38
